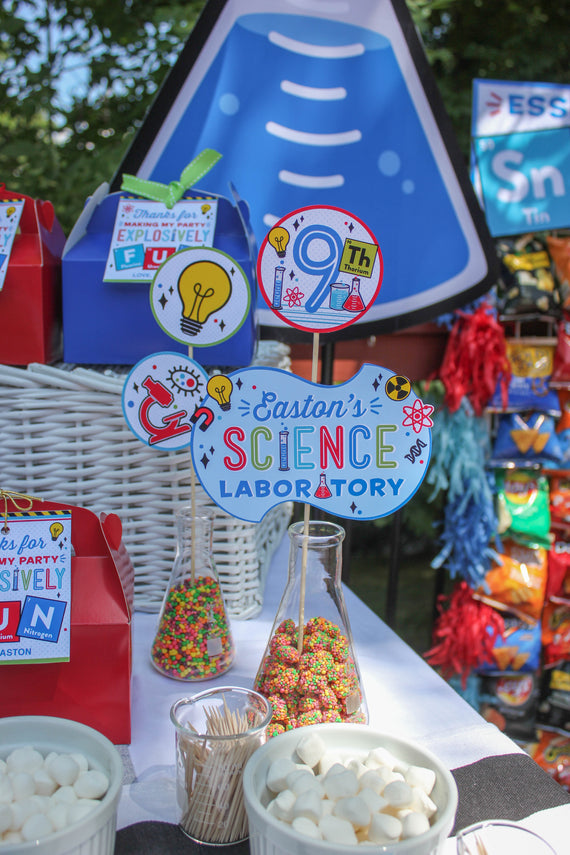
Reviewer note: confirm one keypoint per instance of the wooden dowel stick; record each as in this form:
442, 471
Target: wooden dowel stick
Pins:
306, 513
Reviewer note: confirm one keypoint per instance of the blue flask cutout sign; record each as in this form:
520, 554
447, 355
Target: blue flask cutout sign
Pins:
328, 108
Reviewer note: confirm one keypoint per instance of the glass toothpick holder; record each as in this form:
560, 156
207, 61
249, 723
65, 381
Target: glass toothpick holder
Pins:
193, 640
309, 672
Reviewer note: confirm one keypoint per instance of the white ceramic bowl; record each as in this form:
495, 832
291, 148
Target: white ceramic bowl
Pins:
94, 835
270, 836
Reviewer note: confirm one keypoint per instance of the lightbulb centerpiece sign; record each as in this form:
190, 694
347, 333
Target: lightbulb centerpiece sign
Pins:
320, 268
357, 450
160, 396
200, 296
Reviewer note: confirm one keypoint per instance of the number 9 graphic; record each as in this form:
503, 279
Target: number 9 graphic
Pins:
328, 272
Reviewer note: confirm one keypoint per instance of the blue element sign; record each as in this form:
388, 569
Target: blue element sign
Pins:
358, 450
41, 618
524, 180
333, 106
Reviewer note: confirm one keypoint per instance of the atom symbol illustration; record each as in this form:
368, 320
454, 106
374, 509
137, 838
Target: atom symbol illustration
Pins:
293, 297
418, 416
185, 380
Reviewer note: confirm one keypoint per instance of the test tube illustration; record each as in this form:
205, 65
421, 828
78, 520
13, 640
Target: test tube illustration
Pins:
283, 450
277, 287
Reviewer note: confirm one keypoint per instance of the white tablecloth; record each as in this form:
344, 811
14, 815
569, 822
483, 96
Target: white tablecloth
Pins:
404, 695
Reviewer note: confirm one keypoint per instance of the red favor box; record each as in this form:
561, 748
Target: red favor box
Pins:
94, 687
30, 301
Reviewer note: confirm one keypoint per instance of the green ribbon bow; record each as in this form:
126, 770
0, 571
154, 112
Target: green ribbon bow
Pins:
171, 193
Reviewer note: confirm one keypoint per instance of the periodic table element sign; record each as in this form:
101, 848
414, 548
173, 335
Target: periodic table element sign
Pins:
357, 450
336, 105
320, 269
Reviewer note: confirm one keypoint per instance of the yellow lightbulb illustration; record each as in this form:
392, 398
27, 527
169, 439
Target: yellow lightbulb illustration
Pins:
220, 388
204, 287
56, 529
11, 210
205, 208
278, 237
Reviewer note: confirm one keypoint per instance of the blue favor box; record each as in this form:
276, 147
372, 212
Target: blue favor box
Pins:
112, 322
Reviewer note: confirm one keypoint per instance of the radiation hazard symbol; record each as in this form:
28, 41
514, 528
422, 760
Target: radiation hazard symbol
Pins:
398, 388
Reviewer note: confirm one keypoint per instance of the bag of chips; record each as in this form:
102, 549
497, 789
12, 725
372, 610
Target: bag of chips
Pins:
527, 284
552, 753
517, 581
526, 440
517, 649
555, 630
523, 499
554, 707
531, 362
510, 701
559, 249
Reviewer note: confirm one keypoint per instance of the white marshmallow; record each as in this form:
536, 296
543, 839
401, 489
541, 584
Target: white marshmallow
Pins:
380, 756
355, 810
3, 766
398, 794
277, 774
65, 795
5, 818
311, 749
328, 761
357, 766
44, 784
309, 805
63, 769
91, 784
300, 782
283, 805
81, 761
420, 776
307, 827
36, 826
414, 824
422, 803
337, 830
57, 815
384, 828
12, 837
371, 780
6, 791
25, 759
341, 784
374, 801
22, 785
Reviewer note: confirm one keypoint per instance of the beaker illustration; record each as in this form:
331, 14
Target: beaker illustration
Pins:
339, 295
323, 491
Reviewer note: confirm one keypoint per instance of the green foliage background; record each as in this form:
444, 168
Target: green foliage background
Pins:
61, 143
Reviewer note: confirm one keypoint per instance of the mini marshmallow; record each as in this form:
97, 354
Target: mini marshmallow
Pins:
6, 792
283, 805
337, 830
414, 824
311, 749
36, 827
398, 794
25, 759
371, 780
422, 803
44, 783
374, 801
309, 805
307, 827
3, 766
355, 810
380, 756
65, 795
64, 770
81, 761
419, 776
384, 828
301, 781
277, 774
340, 784
12, 837
91, 784
57, 815
22, 785
5, 818
357, 767
328, 761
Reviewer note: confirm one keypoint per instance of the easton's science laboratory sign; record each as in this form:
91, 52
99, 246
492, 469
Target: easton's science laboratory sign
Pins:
357, 450
521, 149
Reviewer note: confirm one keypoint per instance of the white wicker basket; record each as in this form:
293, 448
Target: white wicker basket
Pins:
63, 437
